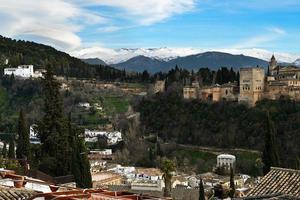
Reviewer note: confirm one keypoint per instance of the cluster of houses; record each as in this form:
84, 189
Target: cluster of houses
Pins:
151, 179
277, 183
112, 138
16, 187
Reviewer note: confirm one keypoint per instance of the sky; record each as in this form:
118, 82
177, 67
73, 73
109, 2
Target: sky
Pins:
72, 25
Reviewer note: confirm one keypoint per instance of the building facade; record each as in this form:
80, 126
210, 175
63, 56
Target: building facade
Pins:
254, 85
23, 71
226, 161
251, 84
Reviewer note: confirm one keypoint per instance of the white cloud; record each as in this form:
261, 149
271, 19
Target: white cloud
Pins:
109, 29
272, 34
54, 22
147, 12
57, 22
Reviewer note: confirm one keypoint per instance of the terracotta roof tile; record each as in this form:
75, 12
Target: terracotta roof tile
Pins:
278, 181
15, 194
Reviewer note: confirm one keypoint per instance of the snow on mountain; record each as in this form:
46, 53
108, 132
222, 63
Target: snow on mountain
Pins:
113, 56
263, 54
297, 62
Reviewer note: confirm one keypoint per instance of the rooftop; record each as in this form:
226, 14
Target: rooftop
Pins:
149, 171
278, 181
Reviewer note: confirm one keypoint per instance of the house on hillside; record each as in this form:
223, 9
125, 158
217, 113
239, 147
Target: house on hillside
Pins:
23, 71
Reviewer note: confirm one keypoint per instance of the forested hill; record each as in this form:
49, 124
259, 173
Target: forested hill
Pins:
24, 52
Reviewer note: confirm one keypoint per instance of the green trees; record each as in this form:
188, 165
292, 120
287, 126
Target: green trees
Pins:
63, 151
201, 191
270, 153
167, 168
23, 144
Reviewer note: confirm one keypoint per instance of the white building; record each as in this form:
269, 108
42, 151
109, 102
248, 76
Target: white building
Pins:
85, 105
23, 71
226, 160
149, 179
112, 137
33, 135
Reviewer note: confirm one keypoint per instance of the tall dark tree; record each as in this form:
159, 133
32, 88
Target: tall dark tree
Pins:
11, 149
23, 144
167, 168
270, 153
52, 130
80, 166
63, 149
201, 191
232, 185
4, 150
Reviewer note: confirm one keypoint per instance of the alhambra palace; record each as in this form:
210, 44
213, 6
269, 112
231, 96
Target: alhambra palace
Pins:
255, 84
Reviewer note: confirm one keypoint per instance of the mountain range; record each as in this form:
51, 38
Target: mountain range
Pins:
162, 59
114, 56
212, 60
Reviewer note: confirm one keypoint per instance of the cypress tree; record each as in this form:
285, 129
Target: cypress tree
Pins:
52, 130
23, 144
4, 150
80, 165
232, 185
11, 149
201, 191
270, 153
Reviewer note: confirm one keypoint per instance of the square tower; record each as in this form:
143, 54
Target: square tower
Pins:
251, 84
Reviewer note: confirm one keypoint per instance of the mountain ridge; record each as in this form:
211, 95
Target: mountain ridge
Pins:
115, 56
213, 60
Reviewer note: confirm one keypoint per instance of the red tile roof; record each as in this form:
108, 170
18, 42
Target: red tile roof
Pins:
278, 181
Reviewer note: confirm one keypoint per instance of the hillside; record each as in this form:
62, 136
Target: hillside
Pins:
24, 52
94, 61
212, 60
141, 63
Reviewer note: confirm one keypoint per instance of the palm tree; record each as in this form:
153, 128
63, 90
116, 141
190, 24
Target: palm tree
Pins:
167, 168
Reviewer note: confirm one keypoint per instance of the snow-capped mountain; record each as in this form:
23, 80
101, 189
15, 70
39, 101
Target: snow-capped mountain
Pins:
212, 60
114, 56
297, 62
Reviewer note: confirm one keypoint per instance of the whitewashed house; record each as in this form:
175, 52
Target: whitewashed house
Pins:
112, 137
23, 71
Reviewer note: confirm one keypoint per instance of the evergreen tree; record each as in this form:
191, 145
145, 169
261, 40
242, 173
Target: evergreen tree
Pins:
11, 149
4, 150
80, 166
270, 153
201, 191
23, 144
232, 185
167, 168
52, 130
